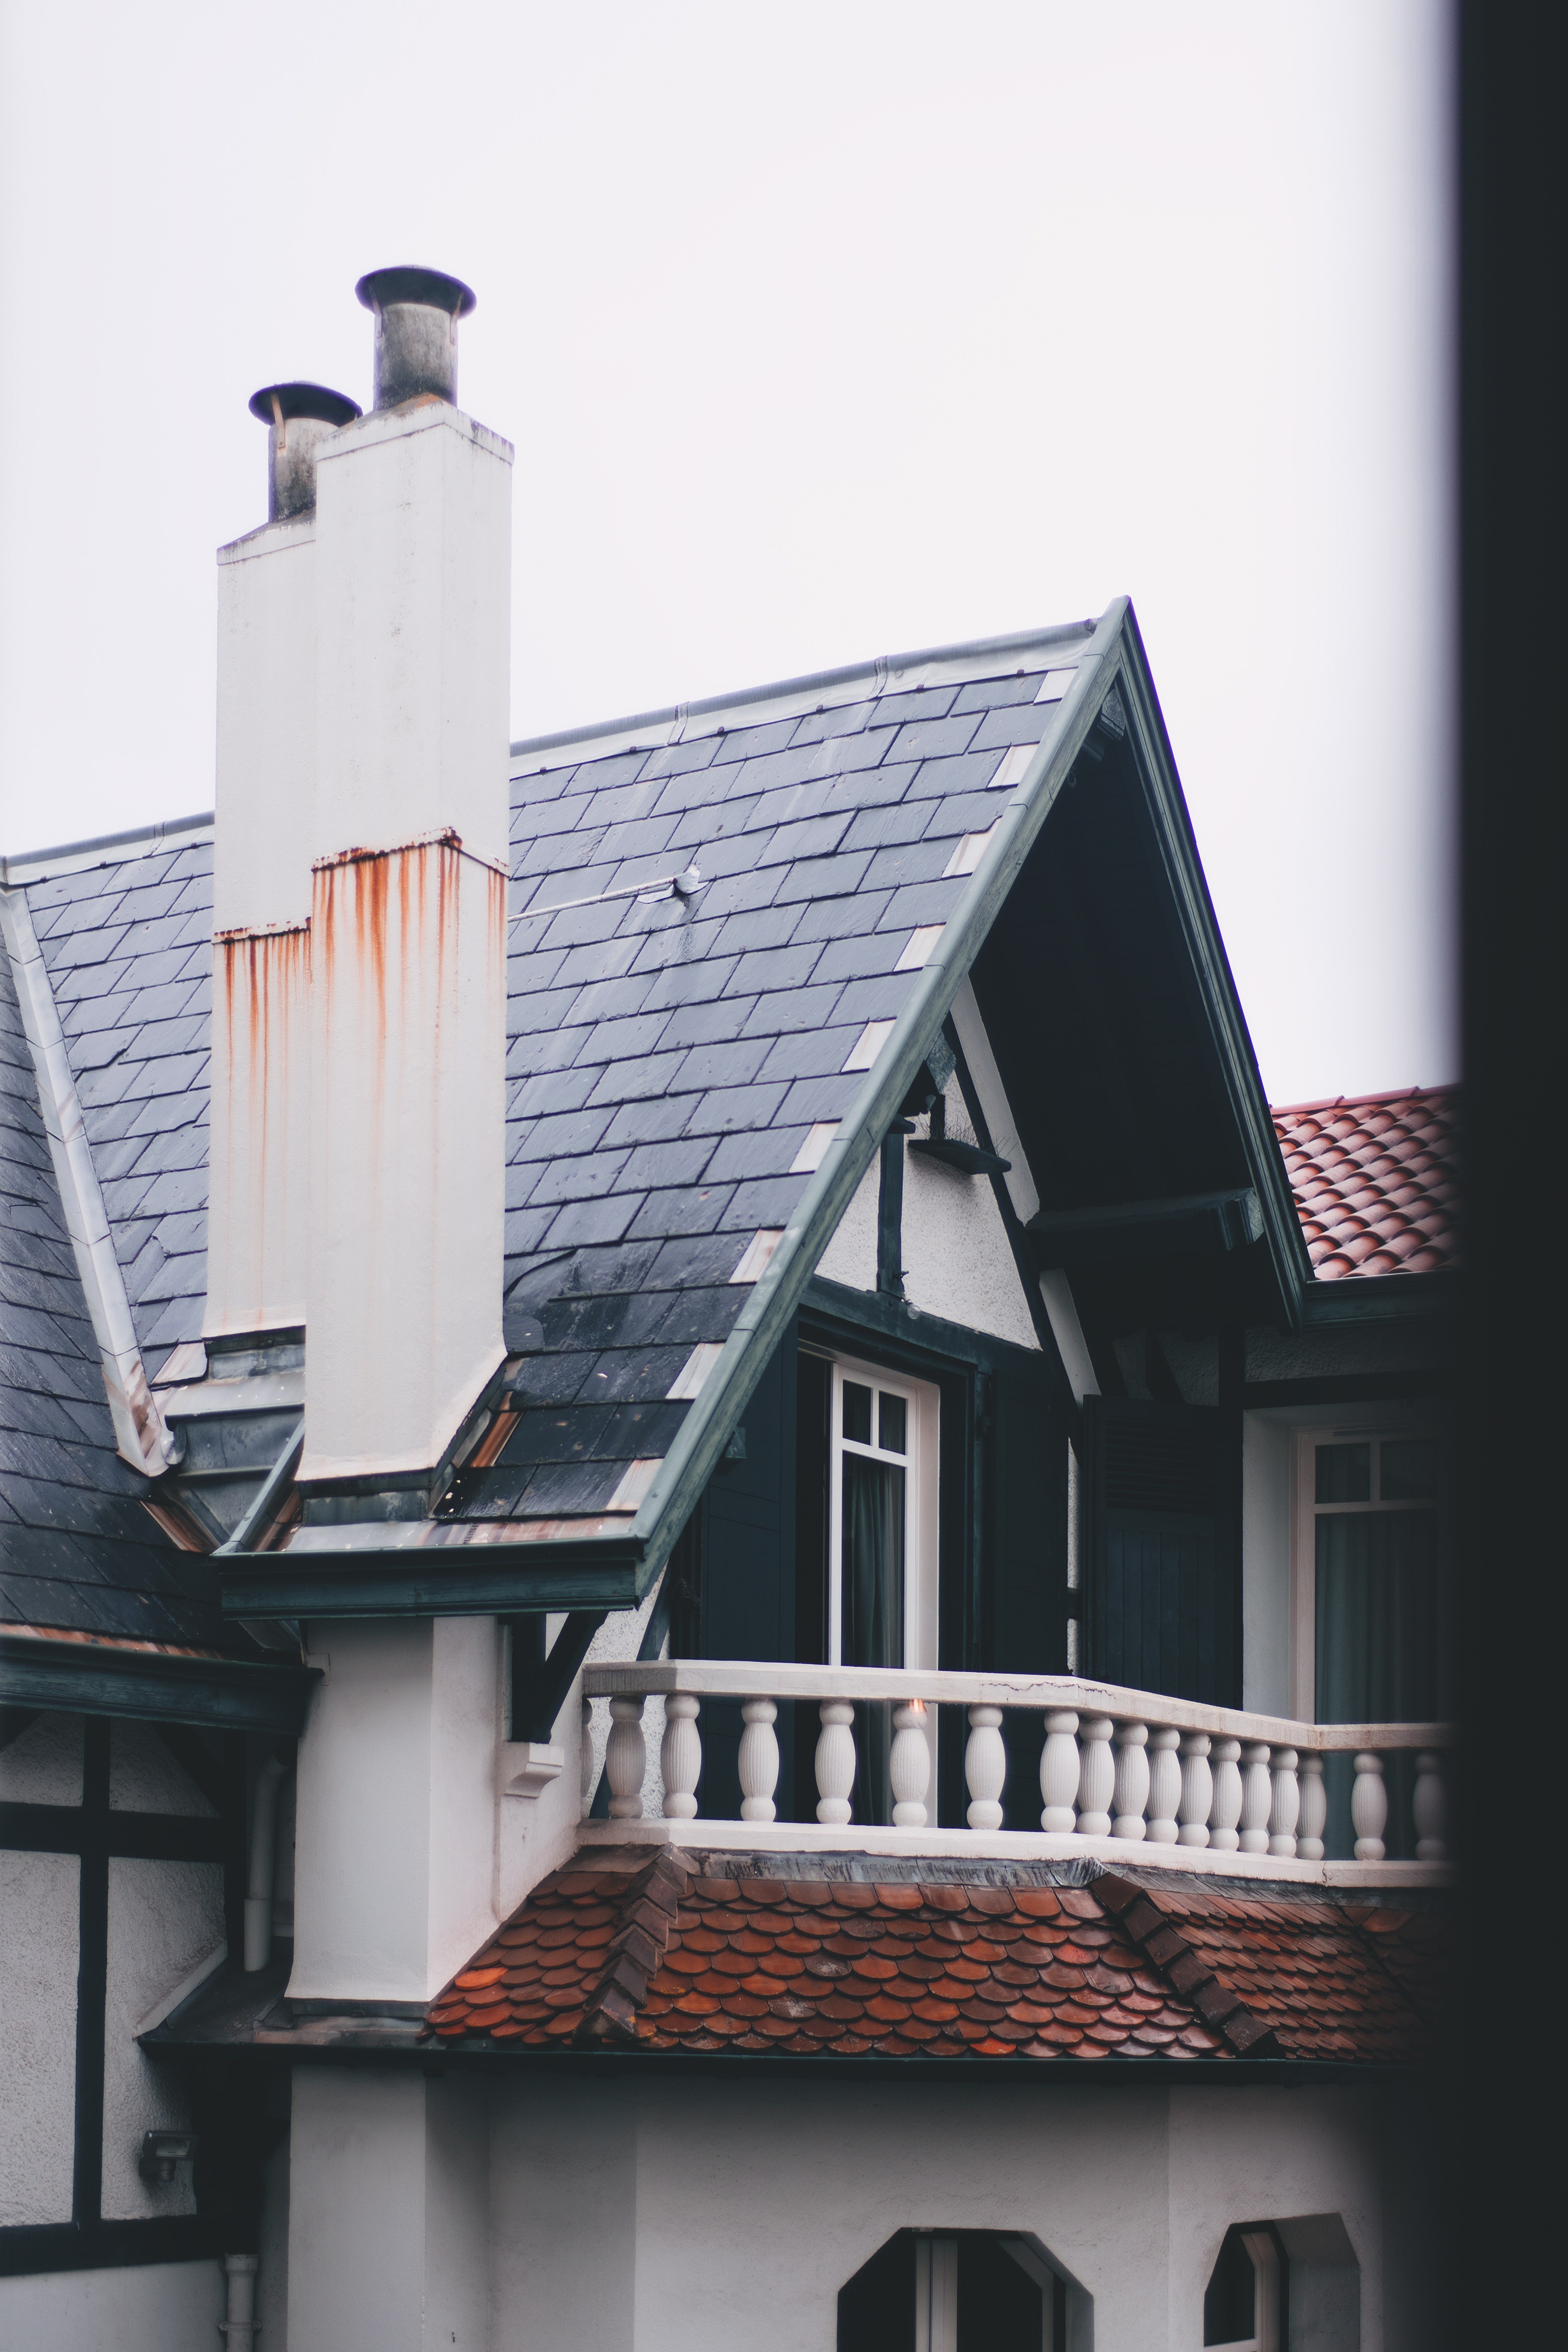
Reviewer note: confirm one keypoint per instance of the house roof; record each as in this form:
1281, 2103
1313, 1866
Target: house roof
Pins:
699, 1077
720, 1952
1375, 1180
79, 1551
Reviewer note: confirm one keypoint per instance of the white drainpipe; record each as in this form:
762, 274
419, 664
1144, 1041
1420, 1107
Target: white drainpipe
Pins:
263, 1864
239, 2329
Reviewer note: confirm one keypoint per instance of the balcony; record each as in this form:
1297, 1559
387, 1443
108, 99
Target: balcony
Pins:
1123, 1774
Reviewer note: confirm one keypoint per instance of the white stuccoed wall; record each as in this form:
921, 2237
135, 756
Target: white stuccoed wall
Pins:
407, 937
389, 2218
674, 2216
266, 726
396, 1868
261, 890
165, 1921
413, 601
154, 2308
958, 1262
38, 1909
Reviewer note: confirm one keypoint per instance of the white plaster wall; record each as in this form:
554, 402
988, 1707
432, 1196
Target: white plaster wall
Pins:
1265, 1564
143, 1778
958, 1262
389, 2233
154, 2308
38, 1906
396, 1872
413, 632
42, 1765
727, 2214
165, 1920
265, 725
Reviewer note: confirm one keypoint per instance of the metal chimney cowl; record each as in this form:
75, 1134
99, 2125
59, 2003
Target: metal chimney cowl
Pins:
298, 416
416, 314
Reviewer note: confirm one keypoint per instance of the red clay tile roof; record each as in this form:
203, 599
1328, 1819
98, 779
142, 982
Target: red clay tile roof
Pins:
656, 1955
1315, 1981
1374, 1181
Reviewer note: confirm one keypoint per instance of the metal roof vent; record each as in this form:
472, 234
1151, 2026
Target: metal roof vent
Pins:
298, 415
417, 314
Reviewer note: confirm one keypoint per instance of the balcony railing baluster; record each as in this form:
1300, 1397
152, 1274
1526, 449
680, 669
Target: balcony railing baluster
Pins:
1122, 1766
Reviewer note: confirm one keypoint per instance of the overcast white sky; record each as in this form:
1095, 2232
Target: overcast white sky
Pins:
822, 330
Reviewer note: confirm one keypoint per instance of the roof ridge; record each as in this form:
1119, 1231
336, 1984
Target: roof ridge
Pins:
1144, 1920
1357, 1102
882, 671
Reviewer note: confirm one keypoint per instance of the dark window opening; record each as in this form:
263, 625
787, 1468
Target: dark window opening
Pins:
955, 2291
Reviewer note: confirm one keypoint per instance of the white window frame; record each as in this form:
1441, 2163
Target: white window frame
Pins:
1264, 2256
1352, 1425
921, 1466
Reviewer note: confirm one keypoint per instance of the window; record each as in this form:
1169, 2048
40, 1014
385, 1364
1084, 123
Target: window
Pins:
1366, 1557
955, 2291
881, 1580
1242, 2301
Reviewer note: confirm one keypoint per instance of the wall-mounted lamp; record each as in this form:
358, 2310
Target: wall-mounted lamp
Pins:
161, 2151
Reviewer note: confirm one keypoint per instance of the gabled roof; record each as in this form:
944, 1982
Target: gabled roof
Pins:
724, 1953
78, 1550
700, 1077
1375, 1180
699, 1074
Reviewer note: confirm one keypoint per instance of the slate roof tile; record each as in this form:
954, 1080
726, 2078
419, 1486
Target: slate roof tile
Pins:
708, 1023
1375, 1180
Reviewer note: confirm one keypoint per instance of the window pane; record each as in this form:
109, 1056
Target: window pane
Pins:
1378, 1649
1408, 1469
1344, 1474
856, 1414
873, 1562
892, 1414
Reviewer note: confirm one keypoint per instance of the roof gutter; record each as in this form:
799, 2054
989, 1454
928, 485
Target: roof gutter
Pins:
142, 1436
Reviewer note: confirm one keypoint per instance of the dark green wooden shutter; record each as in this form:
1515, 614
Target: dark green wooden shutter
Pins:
1162, 1547
1023, 1562
740, 1575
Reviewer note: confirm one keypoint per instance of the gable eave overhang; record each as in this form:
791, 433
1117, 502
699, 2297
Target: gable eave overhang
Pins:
561, 1571
1282, 1237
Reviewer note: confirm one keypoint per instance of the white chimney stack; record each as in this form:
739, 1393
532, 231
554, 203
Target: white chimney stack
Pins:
406, 849
261, 954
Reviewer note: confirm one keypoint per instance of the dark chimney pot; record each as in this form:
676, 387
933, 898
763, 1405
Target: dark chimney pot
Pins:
297, 415
417, 314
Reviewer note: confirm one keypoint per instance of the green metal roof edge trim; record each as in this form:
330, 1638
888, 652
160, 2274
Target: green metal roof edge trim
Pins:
724, 1394
92, 1678
1227, 1024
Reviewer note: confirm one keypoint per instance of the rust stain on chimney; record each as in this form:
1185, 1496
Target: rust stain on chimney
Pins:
261, 975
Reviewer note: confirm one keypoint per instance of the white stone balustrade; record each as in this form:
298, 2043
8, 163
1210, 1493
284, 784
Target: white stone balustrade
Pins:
1211, 1788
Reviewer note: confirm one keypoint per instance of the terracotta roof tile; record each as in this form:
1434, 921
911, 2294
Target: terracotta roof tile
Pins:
647, 1953
1374, 1179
